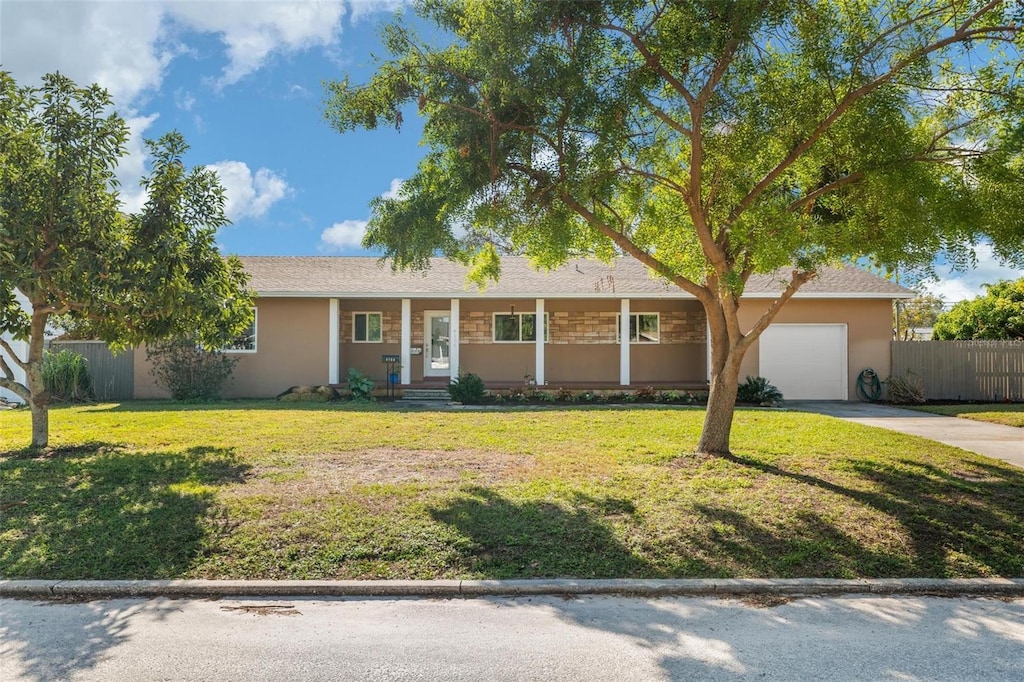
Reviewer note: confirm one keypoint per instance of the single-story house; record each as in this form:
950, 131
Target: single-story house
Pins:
587, 324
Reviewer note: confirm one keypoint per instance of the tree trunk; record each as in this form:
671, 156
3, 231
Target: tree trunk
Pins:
39, 403
714, 437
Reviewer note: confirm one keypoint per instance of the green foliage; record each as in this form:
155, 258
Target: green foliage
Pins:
467, 389
710, 140
758, 391
360, 385
999, 314
70, 249
907, 389
188, 371
66, 376
920, 312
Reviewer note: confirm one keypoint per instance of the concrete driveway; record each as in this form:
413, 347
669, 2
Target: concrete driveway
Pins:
992, 440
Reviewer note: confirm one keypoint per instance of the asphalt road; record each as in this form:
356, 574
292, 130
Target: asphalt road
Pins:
539, 638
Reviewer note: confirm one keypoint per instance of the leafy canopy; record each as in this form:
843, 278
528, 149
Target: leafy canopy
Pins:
67, 246
999, 314
710, 140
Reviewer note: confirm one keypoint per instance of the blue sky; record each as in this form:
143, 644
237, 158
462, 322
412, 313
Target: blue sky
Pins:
242, 81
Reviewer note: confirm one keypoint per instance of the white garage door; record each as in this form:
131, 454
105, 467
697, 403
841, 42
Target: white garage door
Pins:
806, 361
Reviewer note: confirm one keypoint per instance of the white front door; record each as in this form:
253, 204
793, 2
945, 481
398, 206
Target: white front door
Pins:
436, 343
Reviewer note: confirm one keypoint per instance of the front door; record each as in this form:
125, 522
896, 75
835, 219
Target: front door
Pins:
436, 344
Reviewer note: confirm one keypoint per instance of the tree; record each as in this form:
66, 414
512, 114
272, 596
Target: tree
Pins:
999, 314
917, 313
68, 248
710, 140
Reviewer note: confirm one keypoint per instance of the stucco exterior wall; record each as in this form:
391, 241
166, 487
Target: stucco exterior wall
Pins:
869, 328
582, 341
292, 346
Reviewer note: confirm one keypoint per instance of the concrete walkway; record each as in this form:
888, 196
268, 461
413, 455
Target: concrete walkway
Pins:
992, 440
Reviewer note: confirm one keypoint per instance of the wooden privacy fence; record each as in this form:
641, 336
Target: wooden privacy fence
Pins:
963, 370
113, 376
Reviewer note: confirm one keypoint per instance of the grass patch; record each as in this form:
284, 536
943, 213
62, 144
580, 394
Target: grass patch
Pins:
265, 490
1009, 414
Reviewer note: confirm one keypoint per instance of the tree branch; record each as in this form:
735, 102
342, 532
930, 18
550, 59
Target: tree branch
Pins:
14, 357
627, 245
962, 34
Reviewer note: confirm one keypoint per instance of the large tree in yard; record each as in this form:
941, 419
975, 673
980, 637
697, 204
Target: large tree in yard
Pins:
68, 248
710, 140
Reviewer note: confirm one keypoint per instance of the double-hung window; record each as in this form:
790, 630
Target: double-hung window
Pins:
643, 328
366, 327
246, 341
517, 327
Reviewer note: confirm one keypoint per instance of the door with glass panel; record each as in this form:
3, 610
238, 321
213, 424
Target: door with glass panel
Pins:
436, 344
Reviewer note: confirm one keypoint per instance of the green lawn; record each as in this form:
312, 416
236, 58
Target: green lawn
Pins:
1010, 414
261, 490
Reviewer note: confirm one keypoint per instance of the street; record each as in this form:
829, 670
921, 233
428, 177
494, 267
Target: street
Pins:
539, 638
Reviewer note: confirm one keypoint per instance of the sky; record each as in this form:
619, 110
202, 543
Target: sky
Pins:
243, 82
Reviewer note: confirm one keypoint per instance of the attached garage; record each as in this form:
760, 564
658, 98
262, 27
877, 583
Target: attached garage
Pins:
806, 361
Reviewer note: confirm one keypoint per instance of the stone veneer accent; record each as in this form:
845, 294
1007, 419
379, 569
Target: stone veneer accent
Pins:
391, 325
565, 327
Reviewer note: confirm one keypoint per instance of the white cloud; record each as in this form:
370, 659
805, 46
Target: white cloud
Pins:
132, 166
364, 8
348, 234
394, 189
248, 195
959, 286
252, 31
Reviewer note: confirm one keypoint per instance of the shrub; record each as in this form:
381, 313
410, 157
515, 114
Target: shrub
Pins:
468, 389
646, 394
360, 385
66, 377
308, 394
906, 390
188, 371
759, 391
564, 395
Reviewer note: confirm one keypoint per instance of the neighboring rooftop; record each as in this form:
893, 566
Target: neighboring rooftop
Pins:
368, 277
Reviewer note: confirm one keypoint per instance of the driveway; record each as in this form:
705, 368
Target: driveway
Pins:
992, 440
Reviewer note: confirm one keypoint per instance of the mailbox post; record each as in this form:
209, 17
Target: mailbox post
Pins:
391, 363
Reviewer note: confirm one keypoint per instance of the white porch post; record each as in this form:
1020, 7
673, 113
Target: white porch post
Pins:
453, 341
538, 371
624, 342
406, 349
334, 343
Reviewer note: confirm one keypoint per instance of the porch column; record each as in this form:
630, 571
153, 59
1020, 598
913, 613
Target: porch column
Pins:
406, 342
624, 342
453, 341
538, 370
334, 343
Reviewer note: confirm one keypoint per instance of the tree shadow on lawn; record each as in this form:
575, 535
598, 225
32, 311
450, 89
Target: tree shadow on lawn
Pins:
95, 511
513, 539
966, 522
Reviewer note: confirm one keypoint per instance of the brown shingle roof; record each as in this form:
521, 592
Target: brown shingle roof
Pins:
367, 277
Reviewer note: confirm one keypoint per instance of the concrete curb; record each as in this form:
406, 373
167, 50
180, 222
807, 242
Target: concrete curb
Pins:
113, 589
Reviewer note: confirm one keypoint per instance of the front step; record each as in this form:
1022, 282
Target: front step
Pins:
431, 395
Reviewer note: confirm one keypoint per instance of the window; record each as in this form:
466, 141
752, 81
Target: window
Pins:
643, 328
246, 341
517, 327
366, 327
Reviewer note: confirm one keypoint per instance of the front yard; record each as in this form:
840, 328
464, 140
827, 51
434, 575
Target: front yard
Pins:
260, 490
1010, 414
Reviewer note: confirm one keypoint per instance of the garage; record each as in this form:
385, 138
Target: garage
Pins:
806, 361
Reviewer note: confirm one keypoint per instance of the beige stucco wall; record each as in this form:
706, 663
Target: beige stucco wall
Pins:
869, 330
292, 348
581, 347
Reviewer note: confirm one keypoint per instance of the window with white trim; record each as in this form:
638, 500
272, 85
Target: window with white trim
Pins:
643, 328
517, 327
367, 327
246, 341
